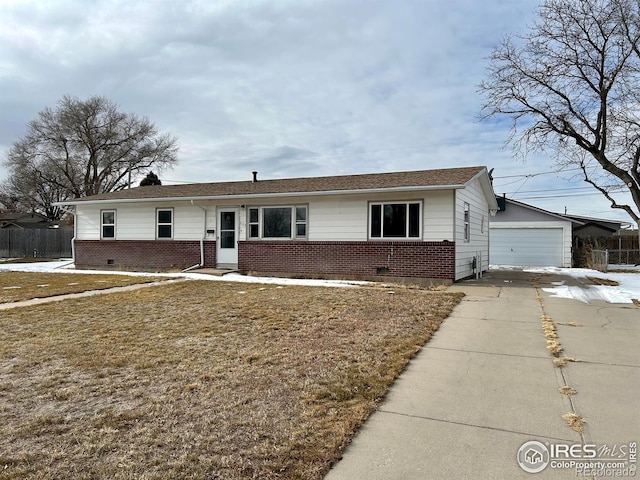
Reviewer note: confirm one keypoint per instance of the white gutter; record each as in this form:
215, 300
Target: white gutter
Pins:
75, 229
204, 233
266, 195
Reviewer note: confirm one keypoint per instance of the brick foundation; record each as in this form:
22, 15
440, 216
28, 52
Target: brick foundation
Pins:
143, 254
419, 260
426, 260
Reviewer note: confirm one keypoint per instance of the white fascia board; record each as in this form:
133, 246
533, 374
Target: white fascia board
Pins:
262, 195
487, 188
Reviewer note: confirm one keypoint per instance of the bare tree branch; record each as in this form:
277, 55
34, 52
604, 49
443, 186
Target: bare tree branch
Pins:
84, 148
574, 80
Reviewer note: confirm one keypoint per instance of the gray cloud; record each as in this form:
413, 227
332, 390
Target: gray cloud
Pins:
287, 87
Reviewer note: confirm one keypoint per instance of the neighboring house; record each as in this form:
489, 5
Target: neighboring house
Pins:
427, 224
595, 227
603, 234
33, 235
524, 235
13, 220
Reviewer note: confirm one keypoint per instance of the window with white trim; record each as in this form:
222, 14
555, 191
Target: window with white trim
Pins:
254, 223
395, 220
107, 224
277, 222
467, 224
164, 222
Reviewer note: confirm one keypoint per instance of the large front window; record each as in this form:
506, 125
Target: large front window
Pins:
277, 222
395, 220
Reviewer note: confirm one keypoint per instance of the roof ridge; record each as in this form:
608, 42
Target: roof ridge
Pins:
411, 179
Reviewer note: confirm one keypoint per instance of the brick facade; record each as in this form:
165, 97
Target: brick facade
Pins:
425, 260
143, 254
418, 260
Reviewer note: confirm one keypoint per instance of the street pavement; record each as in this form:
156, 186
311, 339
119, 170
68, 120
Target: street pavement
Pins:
485, 384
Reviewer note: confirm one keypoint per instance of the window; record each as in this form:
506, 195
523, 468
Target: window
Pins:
301, 222
165, 223
254, 223
467, 226
108, 223
277, 222
395, 220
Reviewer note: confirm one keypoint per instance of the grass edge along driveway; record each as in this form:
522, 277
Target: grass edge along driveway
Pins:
202, 379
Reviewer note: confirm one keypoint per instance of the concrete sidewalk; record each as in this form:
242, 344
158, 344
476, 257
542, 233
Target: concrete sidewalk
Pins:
485, 384
607, 375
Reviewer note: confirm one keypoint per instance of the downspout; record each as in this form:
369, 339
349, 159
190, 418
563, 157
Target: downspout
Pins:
72, 211
204, 233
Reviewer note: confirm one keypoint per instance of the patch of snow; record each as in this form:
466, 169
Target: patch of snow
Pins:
36, 266
67, 266
628, 288
624, 267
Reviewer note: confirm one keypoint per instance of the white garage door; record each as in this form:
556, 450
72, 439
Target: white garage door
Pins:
540, 247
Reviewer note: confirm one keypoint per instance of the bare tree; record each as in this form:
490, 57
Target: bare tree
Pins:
571, 87
84, 148
28, 191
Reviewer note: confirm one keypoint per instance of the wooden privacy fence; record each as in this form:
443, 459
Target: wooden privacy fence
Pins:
35, 242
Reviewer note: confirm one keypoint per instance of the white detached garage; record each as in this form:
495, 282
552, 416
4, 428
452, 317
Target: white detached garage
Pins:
524, 235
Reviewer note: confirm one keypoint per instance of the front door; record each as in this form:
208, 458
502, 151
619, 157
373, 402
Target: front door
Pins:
227, 240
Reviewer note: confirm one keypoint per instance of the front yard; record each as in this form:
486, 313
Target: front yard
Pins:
203, 380
19, 286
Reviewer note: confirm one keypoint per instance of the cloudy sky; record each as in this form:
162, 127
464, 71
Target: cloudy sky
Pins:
285, 87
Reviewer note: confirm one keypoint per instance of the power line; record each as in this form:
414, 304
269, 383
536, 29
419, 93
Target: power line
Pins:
612, 189
565, 196
531, 175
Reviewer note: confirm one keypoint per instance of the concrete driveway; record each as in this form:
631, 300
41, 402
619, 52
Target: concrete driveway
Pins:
486, 384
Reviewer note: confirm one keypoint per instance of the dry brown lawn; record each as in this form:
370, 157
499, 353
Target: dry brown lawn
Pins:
603, 281
201, 379
19, 286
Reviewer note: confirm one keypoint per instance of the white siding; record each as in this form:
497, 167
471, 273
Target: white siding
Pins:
478, 244
137, 221
87, 222
342, 218
331, 218
346, 217
438, 213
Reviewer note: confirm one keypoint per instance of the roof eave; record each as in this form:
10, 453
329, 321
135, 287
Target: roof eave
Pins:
263, 195
487, 187
546, 212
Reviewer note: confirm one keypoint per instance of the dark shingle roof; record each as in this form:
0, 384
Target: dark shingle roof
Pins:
419, 178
